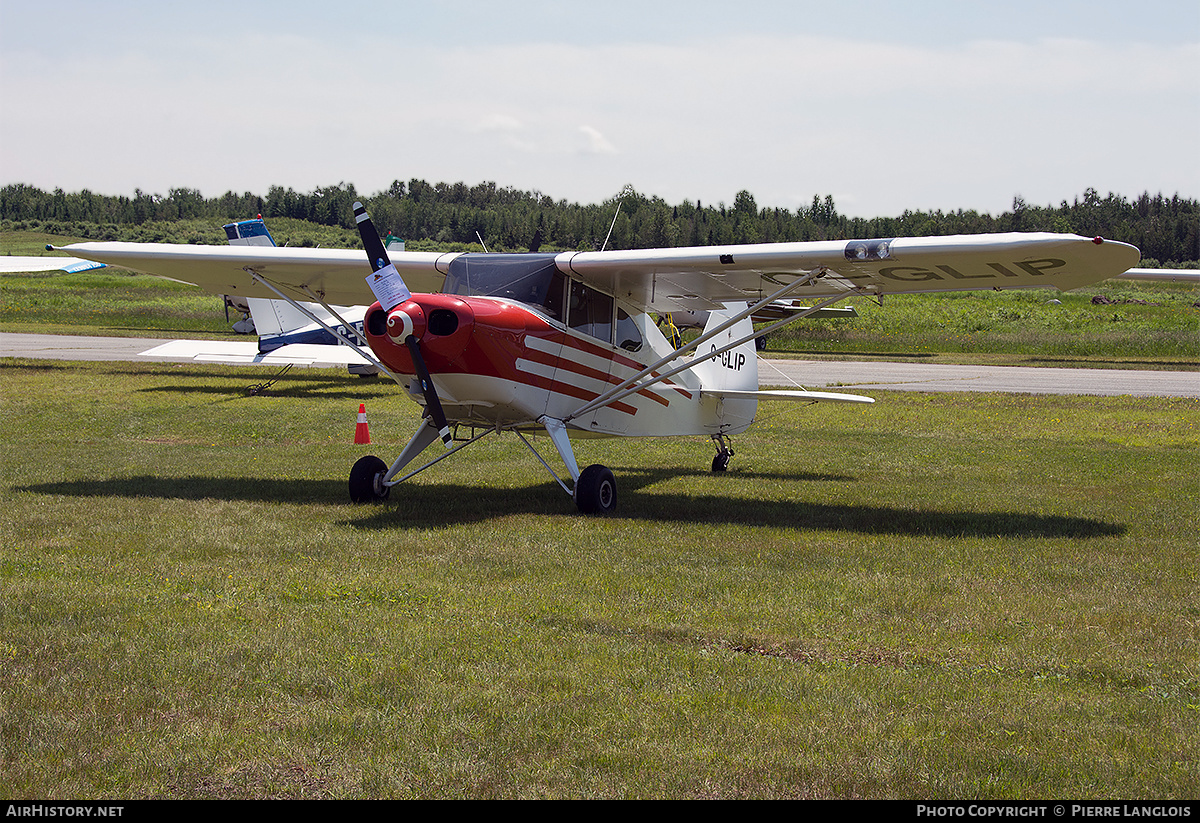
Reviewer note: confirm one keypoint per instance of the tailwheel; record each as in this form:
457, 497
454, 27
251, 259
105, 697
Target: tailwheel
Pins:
596, 490
366, 480
724, 452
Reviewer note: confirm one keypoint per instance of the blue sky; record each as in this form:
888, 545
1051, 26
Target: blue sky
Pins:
884, 106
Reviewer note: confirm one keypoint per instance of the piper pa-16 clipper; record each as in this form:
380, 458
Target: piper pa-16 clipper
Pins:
565, 344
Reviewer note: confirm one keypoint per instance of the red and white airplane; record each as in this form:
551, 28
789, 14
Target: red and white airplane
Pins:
566, 345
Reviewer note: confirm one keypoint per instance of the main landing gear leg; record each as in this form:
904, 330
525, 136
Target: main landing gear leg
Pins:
369, 479
724, 452
595, 489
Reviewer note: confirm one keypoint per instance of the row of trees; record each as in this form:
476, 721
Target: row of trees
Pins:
1166, 229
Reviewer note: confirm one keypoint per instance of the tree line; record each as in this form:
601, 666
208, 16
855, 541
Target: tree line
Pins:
1166, 229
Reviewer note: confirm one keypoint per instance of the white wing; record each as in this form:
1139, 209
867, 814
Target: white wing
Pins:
335, 276
701, 278
667, 280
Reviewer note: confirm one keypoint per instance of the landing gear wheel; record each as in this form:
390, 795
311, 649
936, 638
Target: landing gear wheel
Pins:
724, 452
596, 490
366, 480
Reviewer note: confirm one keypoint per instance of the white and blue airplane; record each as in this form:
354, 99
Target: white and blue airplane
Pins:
11, 264
289, 332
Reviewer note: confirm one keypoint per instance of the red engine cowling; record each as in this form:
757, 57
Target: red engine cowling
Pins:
441, 323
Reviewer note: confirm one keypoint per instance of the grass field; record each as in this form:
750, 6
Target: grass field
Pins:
1131, 324
938, 596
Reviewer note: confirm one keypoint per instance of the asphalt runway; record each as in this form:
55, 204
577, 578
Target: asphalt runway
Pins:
926, 377
72, 347
851, 376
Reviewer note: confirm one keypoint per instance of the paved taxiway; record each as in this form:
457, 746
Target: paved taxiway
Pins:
853, 376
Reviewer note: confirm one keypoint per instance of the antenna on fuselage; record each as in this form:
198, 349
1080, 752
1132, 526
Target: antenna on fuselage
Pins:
481, 242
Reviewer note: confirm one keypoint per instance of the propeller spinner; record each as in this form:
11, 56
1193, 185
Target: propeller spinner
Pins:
377, 254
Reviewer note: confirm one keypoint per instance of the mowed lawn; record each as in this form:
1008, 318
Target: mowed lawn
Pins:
938, 596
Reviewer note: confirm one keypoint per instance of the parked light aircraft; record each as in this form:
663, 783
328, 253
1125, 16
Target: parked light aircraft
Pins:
287, 335
564, 345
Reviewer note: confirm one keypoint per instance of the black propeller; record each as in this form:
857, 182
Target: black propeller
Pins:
377, 254
432, 403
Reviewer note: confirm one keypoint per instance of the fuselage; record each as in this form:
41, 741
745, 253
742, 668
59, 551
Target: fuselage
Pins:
496, 362
512, 339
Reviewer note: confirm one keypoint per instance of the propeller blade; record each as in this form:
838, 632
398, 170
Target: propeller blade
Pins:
376, 252
432, 403
385, 282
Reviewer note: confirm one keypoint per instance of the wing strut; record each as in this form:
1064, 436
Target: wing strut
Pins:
371, 358
631, 385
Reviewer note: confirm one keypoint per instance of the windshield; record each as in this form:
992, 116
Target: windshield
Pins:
527, 278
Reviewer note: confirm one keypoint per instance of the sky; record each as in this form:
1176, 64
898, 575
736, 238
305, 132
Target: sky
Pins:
885, 106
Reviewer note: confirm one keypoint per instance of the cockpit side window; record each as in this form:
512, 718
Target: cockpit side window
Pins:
534, 279
590, 312
629, 336
556, 295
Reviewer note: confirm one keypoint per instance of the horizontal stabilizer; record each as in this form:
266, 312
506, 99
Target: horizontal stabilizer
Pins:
1167, 275
802, 396
246, 353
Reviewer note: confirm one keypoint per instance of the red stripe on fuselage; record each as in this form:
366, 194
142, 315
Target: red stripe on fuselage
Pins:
498, 339
589, 347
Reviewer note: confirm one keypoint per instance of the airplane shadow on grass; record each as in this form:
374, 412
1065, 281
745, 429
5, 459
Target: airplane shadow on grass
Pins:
437, 505
287, 386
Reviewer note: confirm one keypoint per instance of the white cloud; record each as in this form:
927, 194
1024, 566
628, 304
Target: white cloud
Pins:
596, 143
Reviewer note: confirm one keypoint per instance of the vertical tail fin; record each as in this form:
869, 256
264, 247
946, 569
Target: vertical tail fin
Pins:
734, 370
249, 233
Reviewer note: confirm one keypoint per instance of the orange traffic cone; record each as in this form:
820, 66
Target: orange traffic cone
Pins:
362, 435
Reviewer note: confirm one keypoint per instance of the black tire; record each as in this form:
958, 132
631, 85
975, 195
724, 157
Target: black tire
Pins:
365, 477
720, 462
596, 490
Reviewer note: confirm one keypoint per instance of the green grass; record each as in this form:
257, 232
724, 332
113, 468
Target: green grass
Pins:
108, 301
939, 596
1156, 325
